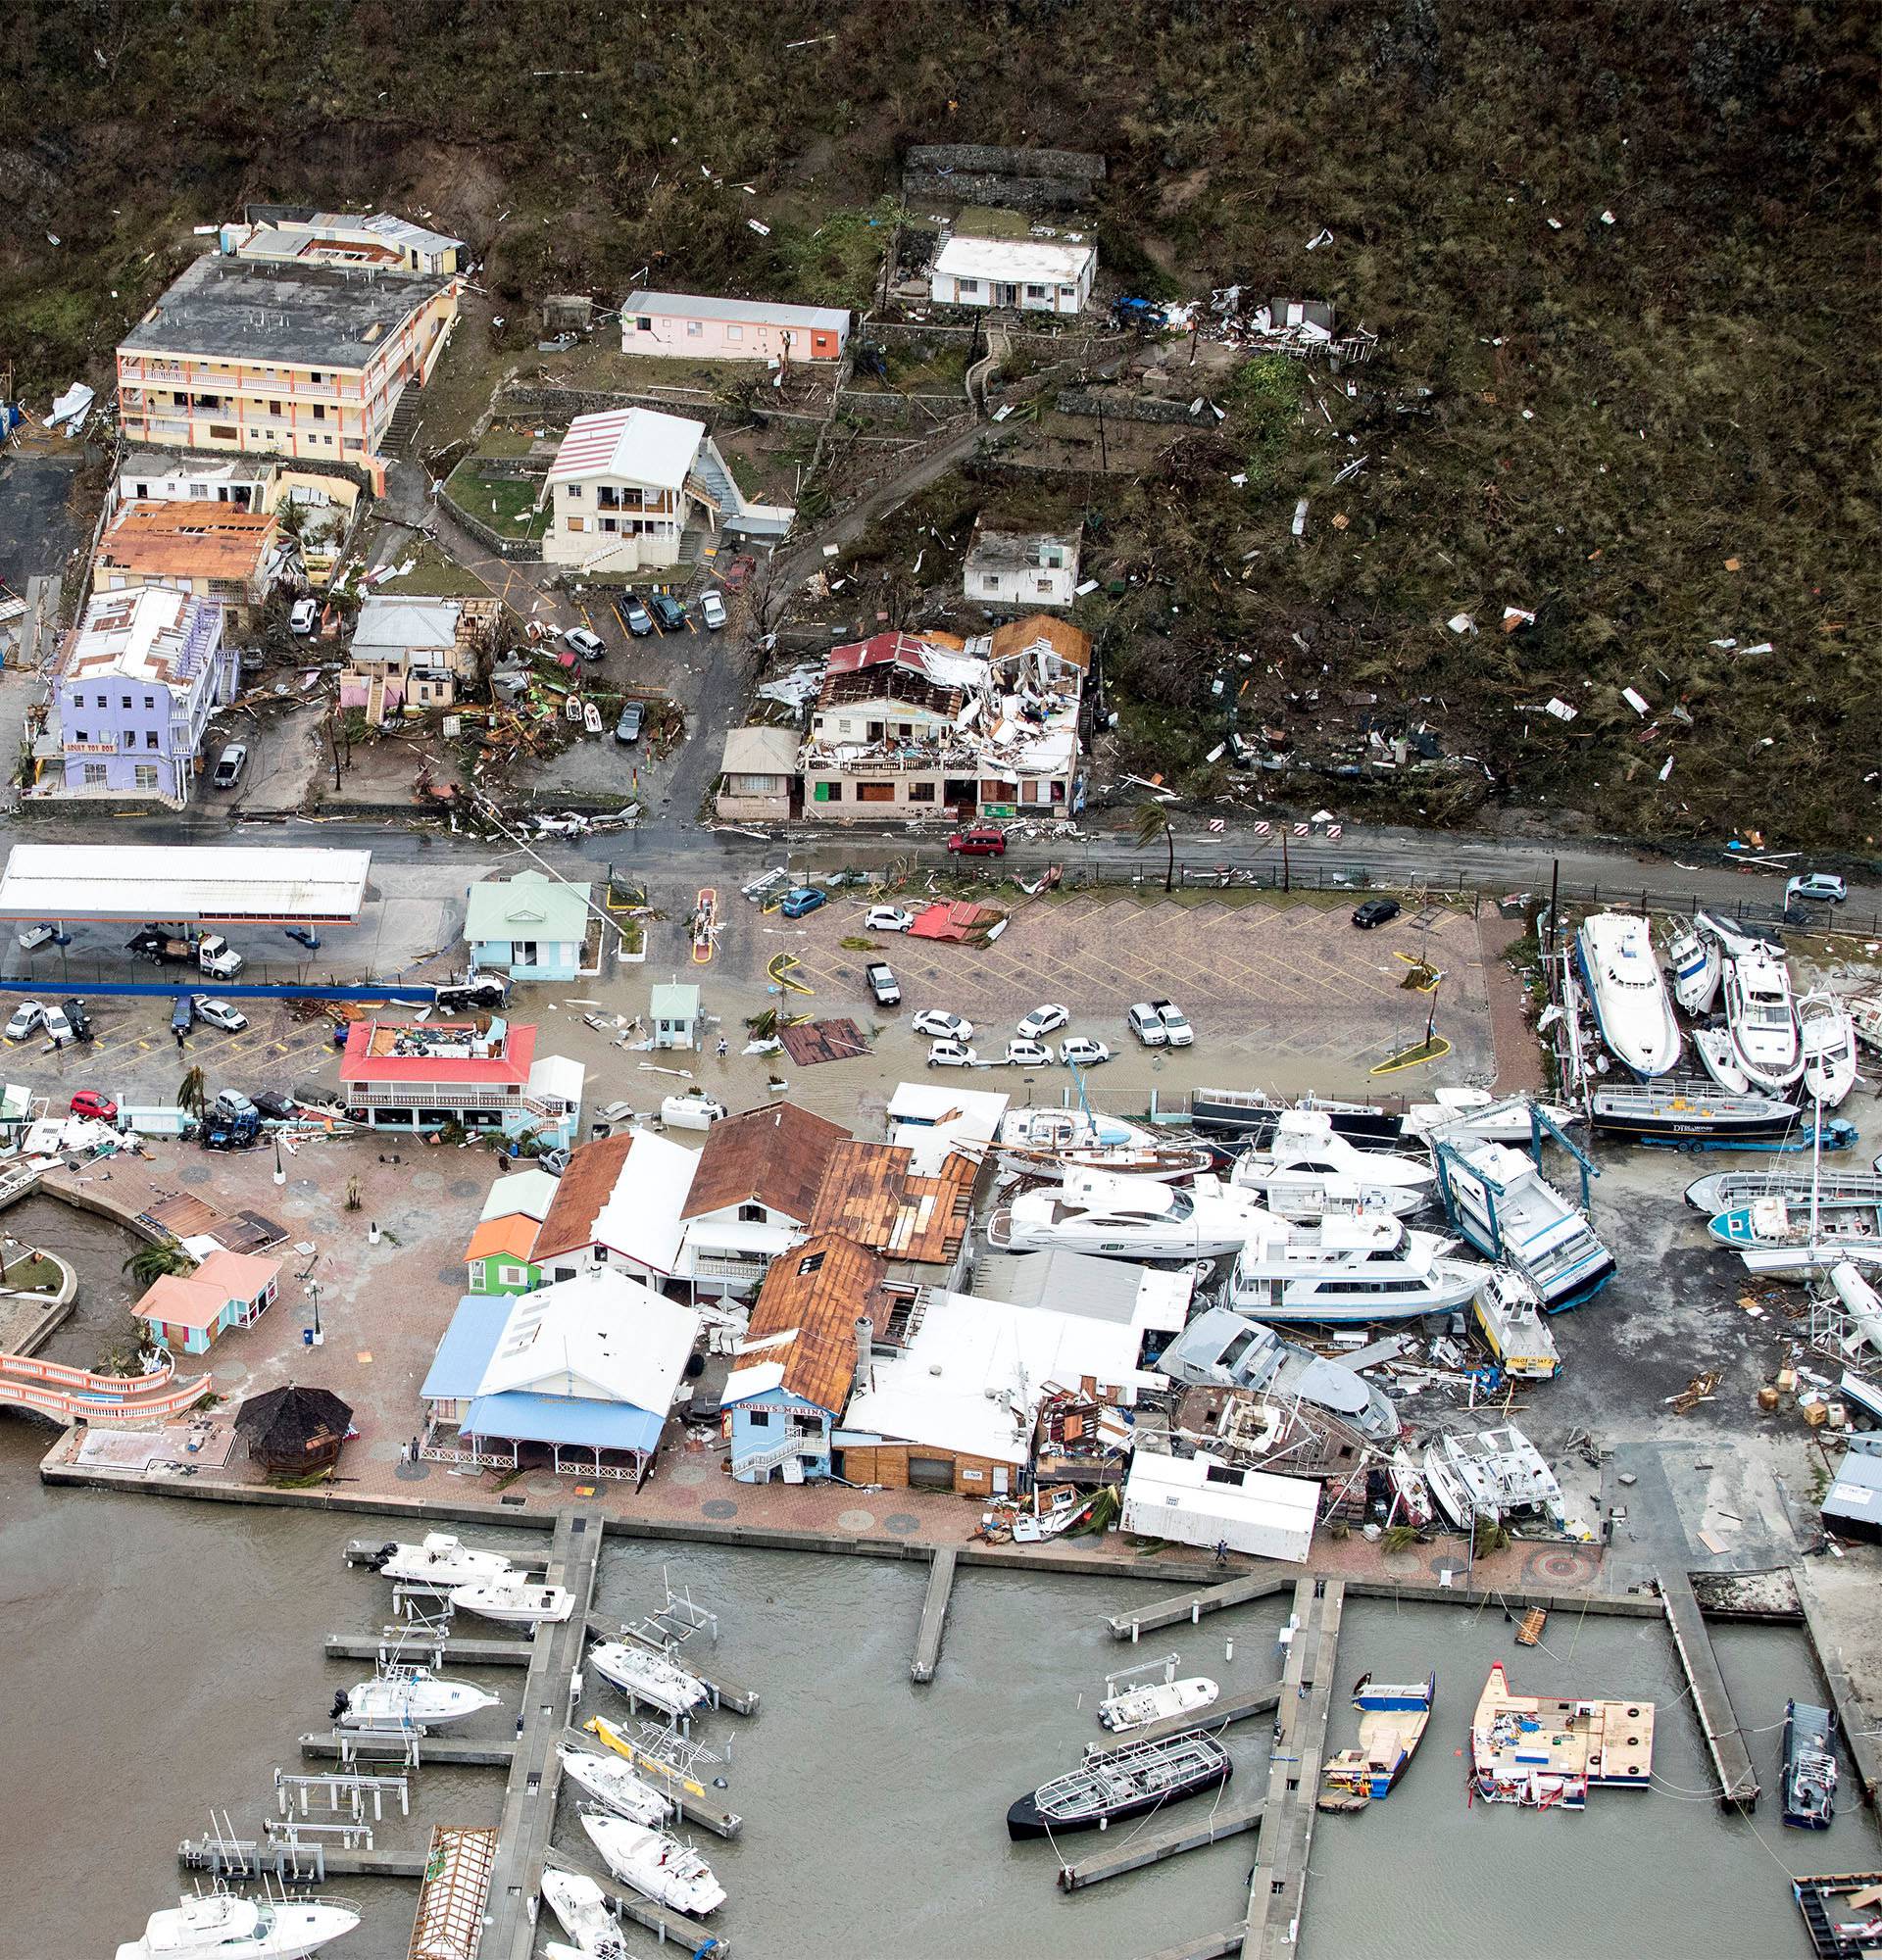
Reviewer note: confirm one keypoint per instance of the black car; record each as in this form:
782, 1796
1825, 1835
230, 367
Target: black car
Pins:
627, 728
273, 1104
79, 1017
640, 622
1376, 912
669, 614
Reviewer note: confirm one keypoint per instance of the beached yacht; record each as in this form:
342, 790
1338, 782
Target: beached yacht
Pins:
1223, 1350
1345, 1271
1826, 1036
1487, 1477
1695, 964
1127, 1218
657, 1867
401, 1696
439, 1559
1761, 1020
1305, 1159
221, 1926
1509, 1311
1508, 1211
1628, 992
644, 1676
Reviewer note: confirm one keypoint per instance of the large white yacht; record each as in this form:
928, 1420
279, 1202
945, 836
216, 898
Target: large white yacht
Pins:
1628, 992
1762, 1018
1349, 1269
1129, 1219
1508, 1210
221, 1926
1305, 1160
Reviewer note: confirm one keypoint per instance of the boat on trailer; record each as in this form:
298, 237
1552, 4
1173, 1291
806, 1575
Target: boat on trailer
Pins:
1810, 1766
1110, 1784
1393, 1718
1546, 1753
1687, 1111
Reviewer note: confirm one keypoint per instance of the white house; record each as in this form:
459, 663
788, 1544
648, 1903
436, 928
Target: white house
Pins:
157, 477
1021, 568
622, 1203
1202, 1500
1033, 275
690, 325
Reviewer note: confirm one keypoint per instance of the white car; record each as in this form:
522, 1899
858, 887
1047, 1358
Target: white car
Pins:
304, 616
942, 1027
1028, 1054
1146, 1024
1043, 1020
887, 918
58, 1029
26, 1016
218, 1013
712, 609
952, 1054
1175, 1024
1082, 1052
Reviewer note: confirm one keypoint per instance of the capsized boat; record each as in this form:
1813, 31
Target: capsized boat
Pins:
1696, 964
649, 1676
657, 1867
1483, 1478
439, 1559
580, 1907
1154, 1701
1510, 1211
1547, 1753
219, 1926
1348, 1270
1714, 1046
1509, 1311
1827, 1038
1761, 1020
515, 1599
1127, 1218
1628, 992
1307, 1154
1393, 1718
1124, 1782
1810, 1766
615, 1785
403, 1696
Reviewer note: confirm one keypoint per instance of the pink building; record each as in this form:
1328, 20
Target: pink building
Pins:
687, 325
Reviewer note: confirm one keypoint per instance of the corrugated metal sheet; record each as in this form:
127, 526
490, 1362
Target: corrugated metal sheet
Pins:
172, 882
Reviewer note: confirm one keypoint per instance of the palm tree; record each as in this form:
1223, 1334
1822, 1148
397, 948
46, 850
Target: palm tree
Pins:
1150, 821
150, 1263
192, 1093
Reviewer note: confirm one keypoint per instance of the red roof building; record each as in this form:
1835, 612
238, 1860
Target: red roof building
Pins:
425, 1075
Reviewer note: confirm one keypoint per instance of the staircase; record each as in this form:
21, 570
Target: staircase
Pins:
786, 1454
715, 479
404, 425
692, 543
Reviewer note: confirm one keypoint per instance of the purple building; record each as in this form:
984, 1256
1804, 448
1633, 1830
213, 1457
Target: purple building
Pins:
139, 679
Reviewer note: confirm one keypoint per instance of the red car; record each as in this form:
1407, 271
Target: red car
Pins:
90, 1102
979, 843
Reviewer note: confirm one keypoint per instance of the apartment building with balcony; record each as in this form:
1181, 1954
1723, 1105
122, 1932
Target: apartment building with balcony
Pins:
298, 359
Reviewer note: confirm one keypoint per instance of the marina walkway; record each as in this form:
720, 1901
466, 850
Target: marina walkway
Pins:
1191, 1607
1717, 1723
1151, 1847
934, 1613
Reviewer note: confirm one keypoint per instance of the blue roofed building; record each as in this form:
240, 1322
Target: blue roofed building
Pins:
578, 1377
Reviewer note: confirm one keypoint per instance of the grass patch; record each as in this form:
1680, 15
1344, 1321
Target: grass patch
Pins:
507, 504
35, 1274
837, 263
434, 577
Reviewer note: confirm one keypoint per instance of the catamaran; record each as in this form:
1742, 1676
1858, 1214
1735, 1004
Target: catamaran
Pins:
657, 1867
1762, 1019
1483, 1478
222, 1927
1393, 1718
1628, 992
1810, 1766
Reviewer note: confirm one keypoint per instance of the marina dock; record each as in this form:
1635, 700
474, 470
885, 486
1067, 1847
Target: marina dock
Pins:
402, 1644
1724, 1738
382, 1745
934, 1613
1853, 1720
725, 1694
1231, 1708
1231, 1820
1191, 1607
1278, 1890
1210, 1946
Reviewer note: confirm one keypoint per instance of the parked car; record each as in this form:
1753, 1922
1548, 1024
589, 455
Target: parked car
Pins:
304, 616
33, 937
1028, 1054
640, 622
1082, 1051
94, 1102
800, 900
58, 1029
26, 1016
218, 1013
943, 1027
883, 984
1823, 886
230, 765
1043, 1020
712, 609
232, 1106
304, 935
1146, 1024
272, 1103
887, 918
952, 1054
670, 615
1175, 1023
80, 1016
978, 842
580, 640
182, 1017
1376, 912
633, 717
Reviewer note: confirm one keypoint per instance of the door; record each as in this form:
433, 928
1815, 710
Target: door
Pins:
1001, 1476
1005, 296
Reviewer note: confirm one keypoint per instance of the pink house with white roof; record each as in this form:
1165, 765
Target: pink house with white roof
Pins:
692, 325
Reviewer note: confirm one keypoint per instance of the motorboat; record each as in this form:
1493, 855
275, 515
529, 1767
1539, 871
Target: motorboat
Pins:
1154, 1701
1686, 1110
1052, 1132
1714, 1046
1126, 1782
1725, 1189
610, 1779
219, 1926
1459, 1112
580, 1907
1546, 1753
643, 1674
1306, 1155
1474, 1116
1865, 1017
1508, 1312
1761, 1020
402, 1696
515, 1599
1127, 1218
441, 1560
1345, 1271
1393, 1719
1628, 992
1511, 1213
657, 1867
1827, 1038
1788, 1237
1309, 1198
1483, 1478
1220, 1348
1695, 964
1810, 1766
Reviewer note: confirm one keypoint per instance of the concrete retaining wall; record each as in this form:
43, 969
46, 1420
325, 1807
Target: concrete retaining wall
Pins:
1119, 406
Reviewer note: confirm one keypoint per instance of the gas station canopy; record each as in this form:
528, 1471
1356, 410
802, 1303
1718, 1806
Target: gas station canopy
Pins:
185, 883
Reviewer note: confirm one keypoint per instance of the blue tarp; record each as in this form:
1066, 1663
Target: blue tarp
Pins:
591, 1425
456, 1368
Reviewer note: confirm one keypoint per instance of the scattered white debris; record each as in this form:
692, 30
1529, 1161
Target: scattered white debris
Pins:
1300, 518
1560, 708
1608, 217
763, 230
1634, 702
1320, 238
1462, 623
1514, 616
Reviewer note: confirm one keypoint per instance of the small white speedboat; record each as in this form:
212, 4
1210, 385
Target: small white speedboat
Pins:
408, 1697
515, 1599
580, 1907
1154, 1701
615, 1785
657, 1867
1827, 1034
439, 1559
222, 1927
1714, 1046
649, 1676
1694, 966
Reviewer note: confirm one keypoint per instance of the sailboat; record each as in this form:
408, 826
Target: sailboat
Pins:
1393, 1718
1628, 992
1827, 1037
1696, 966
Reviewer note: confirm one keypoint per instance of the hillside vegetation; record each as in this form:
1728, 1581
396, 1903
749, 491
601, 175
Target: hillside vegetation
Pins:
1698, 458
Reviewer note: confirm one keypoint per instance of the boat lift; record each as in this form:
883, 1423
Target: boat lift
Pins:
352, 1785
674, 1621
1128, 1676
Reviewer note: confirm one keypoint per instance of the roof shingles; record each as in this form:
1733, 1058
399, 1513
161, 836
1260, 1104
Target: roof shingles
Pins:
807, 1306
869, 1194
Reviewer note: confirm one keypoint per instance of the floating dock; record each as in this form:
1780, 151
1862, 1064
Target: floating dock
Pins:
1191, 1607
725, 1693
1228, 1820
403, 1643
1724, 1738
1839, 1910
403, 1745
1210, 1946
934, 1613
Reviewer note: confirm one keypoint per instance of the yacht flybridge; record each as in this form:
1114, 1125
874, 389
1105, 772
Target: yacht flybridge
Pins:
1628, 991
1762, 1019
1305, 1160
1345, 1270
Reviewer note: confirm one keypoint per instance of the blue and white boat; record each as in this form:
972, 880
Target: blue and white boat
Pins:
1785, 1236
1393, 1718
1695, 964
1503, 1205
1628, 992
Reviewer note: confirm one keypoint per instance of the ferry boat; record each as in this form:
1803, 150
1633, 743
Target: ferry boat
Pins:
1111, 1784
219, 1926
1695, 964
1762, 1019
1127, 1218
1508, 1211
1345, 1271
1393, 1719
1154, 1701
580, 1907
1628, 992
402, 1696
657, 1867
1508, 1314
649, 1676
1546, 1754
1688, 1110
1306, 1155
1810, 1766
439, 1559
615, 1785
1827, 1038
1483, 1478
515, 1600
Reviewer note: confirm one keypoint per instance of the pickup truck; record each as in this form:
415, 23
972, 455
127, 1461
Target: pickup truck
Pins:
883, 984
1176, 1028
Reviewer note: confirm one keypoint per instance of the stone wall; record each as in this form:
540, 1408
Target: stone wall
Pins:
1120, 407
1014, 180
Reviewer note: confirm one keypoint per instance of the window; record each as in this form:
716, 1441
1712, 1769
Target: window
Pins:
573, 492
965, 286
809, 1263
1067, 292
221, 432
577, 523
920, 792
79, 735
150, 700
141, 490
875, 792
993, 581
124, 703
511, 1276
1220, 1472
146, 776
274, 410
320, 411
642, 324
565, 1273
734, 333
609, 524
826, 792
751, 1214
760, 1418
694, 329
316, 377
95, 774
477, 1279
1043, 584
150, 738
1035, 292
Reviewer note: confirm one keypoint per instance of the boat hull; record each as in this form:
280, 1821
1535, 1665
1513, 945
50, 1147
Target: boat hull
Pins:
1635, 1017
1691, 1113
1025, 1820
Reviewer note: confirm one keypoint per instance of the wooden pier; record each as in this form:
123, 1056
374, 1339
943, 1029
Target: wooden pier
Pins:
1191, 1607
1278, 1890
1210, 1946
404, 1643
934, 1613
725, 1693
1228, 1820
1724, 1738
